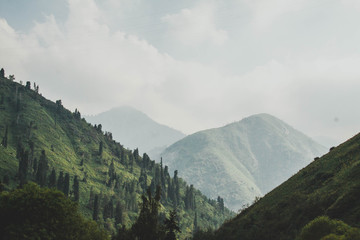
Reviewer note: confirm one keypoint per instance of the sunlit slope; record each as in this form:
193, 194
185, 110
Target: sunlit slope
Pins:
32, 124
242, 160
328, 186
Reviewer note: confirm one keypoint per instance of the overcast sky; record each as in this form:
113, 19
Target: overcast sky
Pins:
193, 64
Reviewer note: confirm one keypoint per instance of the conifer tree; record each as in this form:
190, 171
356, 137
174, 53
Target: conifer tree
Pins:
100, 148
2, 73
172, 226
195, 224
66, 188
42, 169
60, 182
76, 189
52, 179
118, 214
5, 138
176, 187
23, 166
96, 207
146, 226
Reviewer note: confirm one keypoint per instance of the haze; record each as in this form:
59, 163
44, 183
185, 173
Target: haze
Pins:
193, 65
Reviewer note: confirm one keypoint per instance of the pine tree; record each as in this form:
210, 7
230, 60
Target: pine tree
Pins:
176, 187
146, 226
42, 170
23, 166
195, 224
66, 188
118, 214
172, 226
96, 208
60, 182
76, 189
108, 209
100, 148
5, 138
52, 179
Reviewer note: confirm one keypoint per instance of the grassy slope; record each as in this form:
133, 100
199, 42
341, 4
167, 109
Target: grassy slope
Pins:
328, 186
67, 141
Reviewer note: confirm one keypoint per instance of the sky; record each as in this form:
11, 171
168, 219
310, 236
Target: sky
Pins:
193, 64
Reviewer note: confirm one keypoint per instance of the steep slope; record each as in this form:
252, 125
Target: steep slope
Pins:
328, 186
136, 130
242, 160
42, 141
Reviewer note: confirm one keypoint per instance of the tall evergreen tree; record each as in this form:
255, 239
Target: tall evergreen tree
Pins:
118, 214
23, 166
147, 226
60, 182
42, 169
176, 187
66, 188
172, 226
4, 141
76, 189
96, 208
100, 148
52, 179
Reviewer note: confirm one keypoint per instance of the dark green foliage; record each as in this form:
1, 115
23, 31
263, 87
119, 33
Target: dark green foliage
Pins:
52, 179
96, 207
325, 228
2, 73
23, 167
37, 213
76, 189
147, 226
4, 141
108, 209
42, 170
220, 202
101, 146
118, 214
172, 226
66, 185
28, 85
201, 235
190, 198
60, 182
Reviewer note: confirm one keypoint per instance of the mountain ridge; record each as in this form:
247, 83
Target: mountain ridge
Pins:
135, 129
238, 155
328, 186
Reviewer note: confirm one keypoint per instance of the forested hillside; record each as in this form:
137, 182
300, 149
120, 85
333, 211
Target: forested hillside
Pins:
42, 141
329, 186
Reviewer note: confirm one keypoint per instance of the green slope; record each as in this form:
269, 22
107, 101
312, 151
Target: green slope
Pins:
72, 146
328, 186
242, 160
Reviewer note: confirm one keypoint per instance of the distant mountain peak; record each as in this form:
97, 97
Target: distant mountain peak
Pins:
135, 129
243, 159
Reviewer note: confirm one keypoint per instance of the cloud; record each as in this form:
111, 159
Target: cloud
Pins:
195, 26
92, 67
266, 12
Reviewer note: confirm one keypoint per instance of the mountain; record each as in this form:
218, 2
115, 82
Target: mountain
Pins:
136, 130
43, 142
242, 160
329, 186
